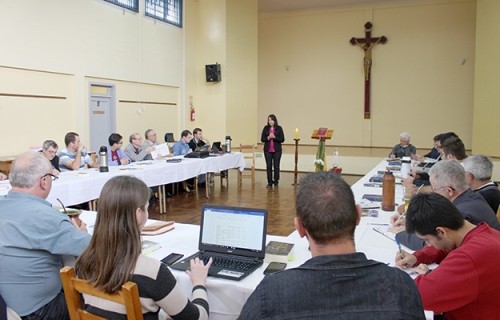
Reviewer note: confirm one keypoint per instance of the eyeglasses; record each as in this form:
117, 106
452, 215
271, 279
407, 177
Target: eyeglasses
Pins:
52, 177
441, 188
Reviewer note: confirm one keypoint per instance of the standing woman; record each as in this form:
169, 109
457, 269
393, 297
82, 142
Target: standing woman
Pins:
114, 257
272, 136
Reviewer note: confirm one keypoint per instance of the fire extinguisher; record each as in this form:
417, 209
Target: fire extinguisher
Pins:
193, 114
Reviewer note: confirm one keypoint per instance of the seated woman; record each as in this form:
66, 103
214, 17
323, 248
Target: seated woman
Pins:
404, 148
114, 257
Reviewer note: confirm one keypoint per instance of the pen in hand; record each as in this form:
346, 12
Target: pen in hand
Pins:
400, 250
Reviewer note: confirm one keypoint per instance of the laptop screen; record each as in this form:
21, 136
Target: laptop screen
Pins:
240, 231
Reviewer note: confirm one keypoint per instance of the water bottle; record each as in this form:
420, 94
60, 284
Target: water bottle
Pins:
405, 166
388, 191
228, 144
336, 157
103, 159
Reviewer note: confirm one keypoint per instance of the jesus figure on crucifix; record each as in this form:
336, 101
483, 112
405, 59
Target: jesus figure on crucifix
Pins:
367, 60
367, 43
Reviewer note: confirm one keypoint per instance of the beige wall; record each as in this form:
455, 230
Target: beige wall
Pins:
487, 79
422, 78
224, 32
55, 47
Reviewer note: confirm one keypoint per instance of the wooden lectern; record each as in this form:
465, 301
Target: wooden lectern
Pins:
322, 134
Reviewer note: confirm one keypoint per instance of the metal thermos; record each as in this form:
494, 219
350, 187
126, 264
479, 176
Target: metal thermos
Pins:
103, 159
388, 191
228, 144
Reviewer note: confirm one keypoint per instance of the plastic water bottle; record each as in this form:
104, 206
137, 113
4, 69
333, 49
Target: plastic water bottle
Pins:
336, 157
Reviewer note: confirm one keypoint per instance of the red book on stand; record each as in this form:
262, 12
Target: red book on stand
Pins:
322, 132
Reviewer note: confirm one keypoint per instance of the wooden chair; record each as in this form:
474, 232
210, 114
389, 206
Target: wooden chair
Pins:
498, 213
128, 295
248, 152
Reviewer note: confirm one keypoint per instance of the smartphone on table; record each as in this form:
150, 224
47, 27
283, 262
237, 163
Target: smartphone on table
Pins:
171, 258
274, 267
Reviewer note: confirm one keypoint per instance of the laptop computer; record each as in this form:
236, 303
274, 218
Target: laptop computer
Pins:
169, 137
216, 147
234, 237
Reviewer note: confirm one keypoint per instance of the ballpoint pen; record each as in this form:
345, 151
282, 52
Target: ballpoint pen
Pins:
399, 218
400, 250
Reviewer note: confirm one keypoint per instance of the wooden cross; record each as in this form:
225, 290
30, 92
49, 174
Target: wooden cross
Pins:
367, 43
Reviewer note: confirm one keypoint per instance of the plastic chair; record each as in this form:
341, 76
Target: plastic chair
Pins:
248, 152
128, 296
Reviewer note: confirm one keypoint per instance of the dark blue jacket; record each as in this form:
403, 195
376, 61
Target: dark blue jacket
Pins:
336, 287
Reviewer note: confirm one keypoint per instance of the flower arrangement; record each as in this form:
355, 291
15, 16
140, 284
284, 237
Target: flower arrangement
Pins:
320, 162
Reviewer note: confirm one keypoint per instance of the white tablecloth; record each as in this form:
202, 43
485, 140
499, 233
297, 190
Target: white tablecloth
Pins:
226, 298
74, 187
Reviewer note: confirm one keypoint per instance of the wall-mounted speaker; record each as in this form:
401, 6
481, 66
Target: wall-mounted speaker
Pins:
212, 72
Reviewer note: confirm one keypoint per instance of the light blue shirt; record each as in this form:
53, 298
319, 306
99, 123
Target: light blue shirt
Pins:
65, 155
181, 148
34, 237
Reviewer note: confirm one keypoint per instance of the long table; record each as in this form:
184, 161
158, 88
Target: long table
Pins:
74, 187
226, 298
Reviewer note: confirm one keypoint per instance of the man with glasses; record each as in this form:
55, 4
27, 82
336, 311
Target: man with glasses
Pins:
447, 178
135, 150
74, 156
116, 156
151, 138
34, 239
49, 150
478, 171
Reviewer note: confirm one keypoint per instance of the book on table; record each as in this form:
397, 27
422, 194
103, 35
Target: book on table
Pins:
277, 251
157, 227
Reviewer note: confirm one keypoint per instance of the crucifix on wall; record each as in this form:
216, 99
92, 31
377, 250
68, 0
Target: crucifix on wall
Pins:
367, 43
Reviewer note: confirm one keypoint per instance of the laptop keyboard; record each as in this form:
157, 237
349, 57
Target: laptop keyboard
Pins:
229, 263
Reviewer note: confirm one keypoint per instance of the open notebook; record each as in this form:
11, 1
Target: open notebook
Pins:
234, 237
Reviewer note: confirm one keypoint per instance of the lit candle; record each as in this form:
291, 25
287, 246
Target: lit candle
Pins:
297, 133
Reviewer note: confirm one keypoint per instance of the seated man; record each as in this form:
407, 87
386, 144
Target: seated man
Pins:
151, 139
434, 153
74, 157
478, 171
447, 178
422, 178
116, 156
135, 151
404, 148
197, 142
49, 150
34, 238
453, 148
466, 284
181, 147
337, 281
